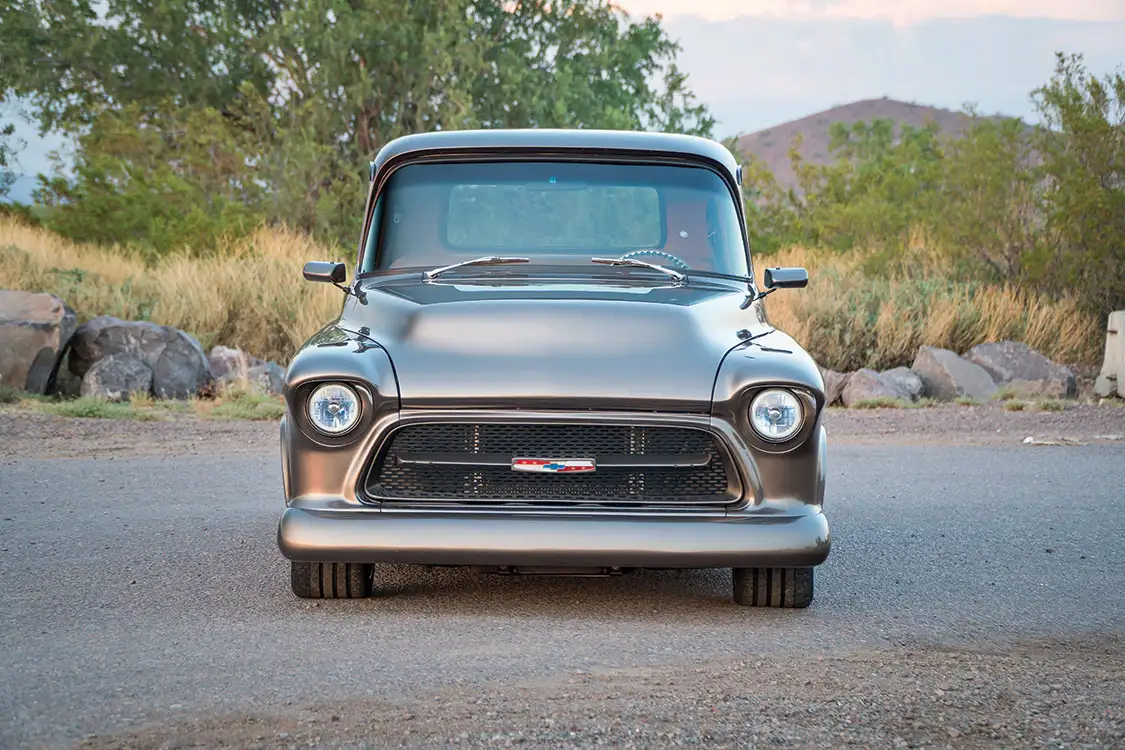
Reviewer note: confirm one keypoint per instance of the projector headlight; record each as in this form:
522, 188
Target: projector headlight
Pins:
334, 409
776, 415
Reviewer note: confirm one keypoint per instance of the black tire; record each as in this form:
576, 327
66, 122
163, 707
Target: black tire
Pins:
331, 580
790, 588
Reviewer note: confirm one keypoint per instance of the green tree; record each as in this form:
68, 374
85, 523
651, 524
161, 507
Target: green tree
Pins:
992, 199
10, 146
7, 157
181, 180
1082, 146
882, 184
321, 85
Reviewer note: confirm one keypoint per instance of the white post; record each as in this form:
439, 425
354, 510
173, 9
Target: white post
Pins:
1112, 378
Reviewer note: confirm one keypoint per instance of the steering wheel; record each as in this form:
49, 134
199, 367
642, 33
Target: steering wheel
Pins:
677, 261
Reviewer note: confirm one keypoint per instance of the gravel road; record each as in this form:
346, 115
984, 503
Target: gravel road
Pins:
972, 599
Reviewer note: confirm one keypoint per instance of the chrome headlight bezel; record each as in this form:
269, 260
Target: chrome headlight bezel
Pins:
796, 404
344, 390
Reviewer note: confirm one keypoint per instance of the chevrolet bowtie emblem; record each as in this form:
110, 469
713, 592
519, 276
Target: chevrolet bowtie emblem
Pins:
554, 465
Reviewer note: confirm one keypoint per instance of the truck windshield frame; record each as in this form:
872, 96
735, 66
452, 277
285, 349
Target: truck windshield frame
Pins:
558, 213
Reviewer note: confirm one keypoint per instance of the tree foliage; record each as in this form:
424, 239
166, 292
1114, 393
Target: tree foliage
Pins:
305, 92
1042, 206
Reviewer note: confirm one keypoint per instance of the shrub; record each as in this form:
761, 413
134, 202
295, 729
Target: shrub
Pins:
251, 296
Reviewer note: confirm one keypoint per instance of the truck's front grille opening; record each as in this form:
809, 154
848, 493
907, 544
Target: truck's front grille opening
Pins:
471, 464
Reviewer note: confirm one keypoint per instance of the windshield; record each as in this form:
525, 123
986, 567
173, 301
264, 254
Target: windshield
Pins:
555, 213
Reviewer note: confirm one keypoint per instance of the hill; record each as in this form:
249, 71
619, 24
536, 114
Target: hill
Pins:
772, 144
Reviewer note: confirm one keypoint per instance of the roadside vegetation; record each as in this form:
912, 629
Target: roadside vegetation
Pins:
251, 296
193, 199
1040, 208
235, 403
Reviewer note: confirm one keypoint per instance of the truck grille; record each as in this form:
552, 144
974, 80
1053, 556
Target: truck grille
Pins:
470, 464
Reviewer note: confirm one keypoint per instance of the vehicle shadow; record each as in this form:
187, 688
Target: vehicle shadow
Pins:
635, 595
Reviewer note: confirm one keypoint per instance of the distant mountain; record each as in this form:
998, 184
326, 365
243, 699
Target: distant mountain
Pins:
772, 144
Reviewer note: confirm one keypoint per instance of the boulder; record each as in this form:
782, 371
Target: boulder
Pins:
1024, 371
34, 331
867, 385
117, 377
179, 366
1111, 379
947, 376
224, 360
907, 380
834, 383
265, 377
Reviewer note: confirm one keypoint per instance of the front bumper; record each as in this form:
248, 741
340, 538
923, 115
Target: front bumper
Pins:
370, 536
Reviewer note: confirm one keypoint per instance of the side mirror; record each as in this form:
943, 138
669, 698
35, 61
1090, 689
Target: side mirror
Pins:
786, 278
333, 273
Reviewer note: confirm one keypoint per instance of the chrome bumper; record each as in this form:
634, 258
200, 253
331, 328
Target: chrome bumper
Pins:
529, 540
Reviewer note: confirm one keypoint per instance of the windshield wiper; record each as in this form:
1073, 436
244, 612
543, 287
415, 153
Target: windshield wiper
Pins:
639, 264
488, 260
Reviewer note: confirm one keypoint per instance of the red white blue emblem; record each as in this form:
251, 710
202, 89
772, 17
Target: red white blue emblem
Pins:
553, 465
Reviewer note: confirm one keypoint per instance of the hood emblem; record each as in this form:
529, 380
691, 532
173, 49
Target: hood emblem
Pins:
554, 465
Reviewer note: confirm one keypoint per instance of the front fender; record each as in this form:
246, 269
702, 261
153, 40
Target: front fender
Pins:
792, 472
316, 465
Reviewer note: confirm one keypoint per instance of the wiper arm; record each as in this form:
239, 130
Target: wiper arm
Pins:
639, 264
488, 260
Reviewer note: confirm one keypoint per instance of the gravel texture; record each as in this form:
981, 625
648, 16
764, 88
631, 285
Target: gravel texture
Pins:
1046, 694
972, 599
30, 434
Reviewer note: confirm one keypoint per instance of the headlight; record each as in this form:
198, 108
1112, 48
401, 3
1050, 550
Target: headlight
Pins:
776, 415
334, 409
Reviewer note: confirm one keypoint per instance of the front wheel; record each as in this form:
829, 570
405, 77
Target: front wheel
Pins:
331, 580
773, 587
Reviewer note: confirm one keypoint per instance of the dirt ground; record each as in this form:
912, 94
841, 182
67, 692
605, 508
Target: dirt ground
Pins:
1058, 693
34, 435
1042, 694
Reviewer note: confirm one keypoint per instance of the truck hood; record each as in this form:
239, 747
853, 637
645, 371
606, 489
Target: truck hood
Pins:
553, 344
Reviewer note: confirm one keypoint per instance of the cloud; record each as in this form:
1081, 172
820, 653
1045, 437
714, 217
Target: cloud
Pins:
897, 12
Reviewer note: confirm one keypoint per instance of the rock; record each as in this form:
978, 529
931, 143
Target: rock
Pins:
908, 380
1105, 386
266, 377
117, 377
834, 383
224, 359
179, 366
34, 331
946, 376
867, 385
1024, 371
1111, 380
181, 369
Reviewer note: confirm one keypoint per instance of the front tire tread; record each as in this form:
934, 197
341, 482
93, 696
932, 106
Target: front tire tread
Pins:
313, 580
781, 588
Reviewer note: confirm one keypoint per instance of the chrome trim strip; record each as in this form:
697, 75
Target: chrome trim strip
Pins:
604, 461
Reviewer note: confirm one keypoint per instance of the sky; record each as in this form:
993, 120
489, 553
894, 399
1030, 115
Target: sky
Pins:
757, 63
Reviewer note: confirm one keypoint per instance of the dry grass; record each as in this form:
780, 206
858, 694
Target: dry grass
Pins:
232, 404
850, 319
253, 297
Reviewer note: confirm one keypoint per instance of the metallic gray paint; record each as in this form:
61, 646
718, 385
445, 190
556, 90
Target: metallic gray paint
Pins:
504, 540
522, 345
499, 342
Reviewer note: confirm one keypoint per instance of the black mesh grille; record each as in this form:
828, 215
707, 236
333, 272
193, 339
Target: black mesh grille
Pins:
664, 485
